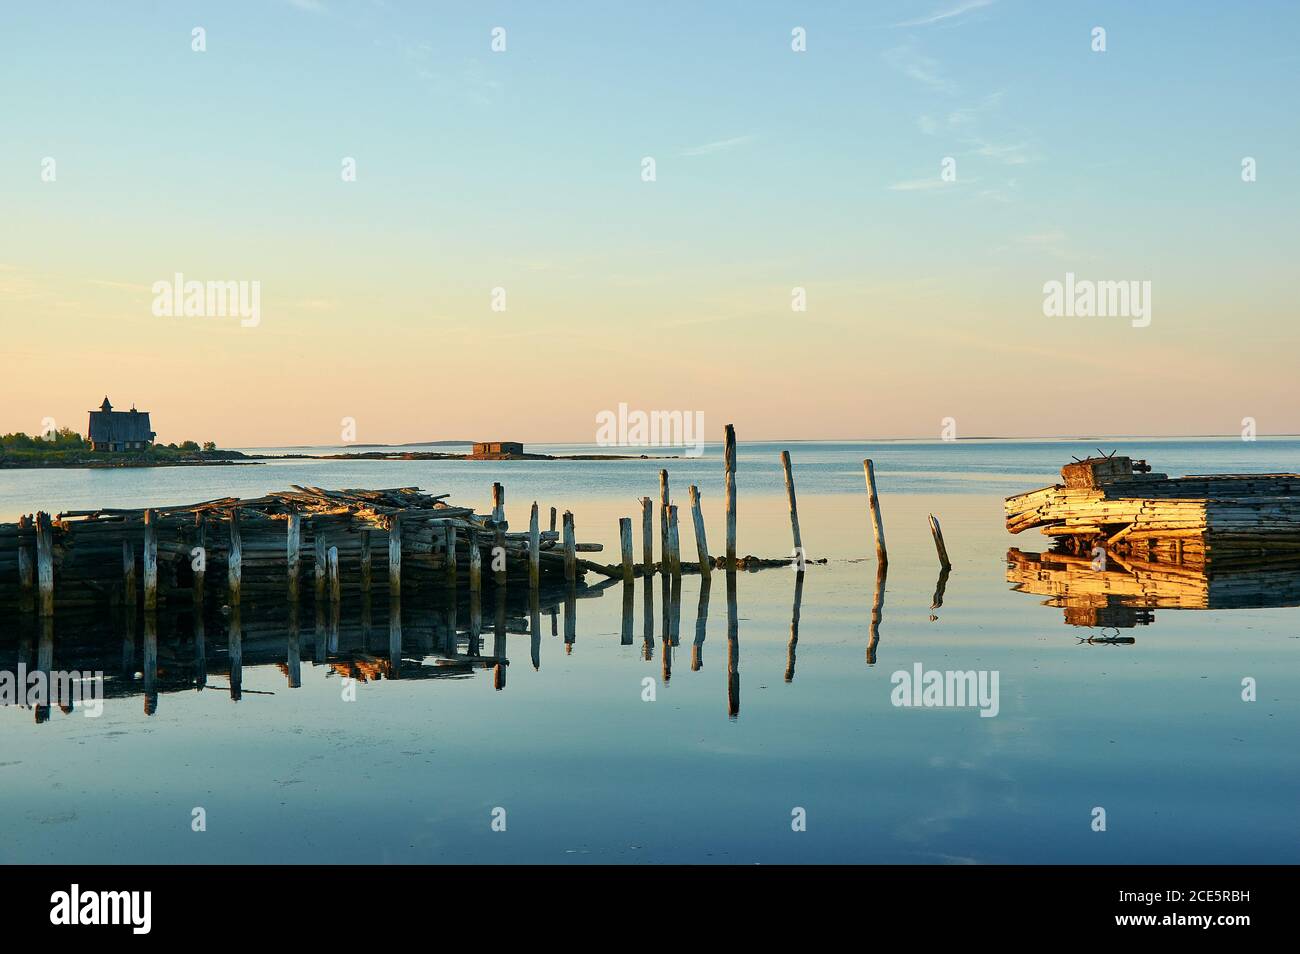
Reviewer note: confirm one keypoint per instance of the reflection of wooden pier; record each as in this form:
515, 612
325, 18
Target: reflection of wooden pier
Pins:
1115, 504
1124, 591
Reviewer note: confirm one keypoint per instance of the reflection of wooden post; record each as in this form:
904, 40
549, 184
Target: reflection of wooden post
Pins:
235, 563
701, 625
877, 528
129, 596
395, 559
534, 549
733, 648
293, 651
570, 549
149, 665
663, 518
794, 628
629, 588
674, 543
535, 627
336, 585
939, 587
877, 611
937, 532
701, 542
625, 540
794, 509
647, 616
729, 465
150, 561
293, 556
647, 535
201, 572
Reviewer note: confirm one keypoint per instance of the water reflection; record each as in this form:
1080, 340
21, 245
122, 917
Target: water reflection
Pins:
1120, 593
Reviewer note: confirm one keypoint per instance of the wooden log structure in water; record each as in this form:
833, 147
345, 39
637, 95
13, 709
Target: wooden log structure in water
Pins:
1115, 503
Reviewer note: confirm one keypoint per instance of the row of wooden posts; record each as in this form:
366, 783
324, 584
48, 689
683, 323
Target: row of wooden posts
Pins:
326, 560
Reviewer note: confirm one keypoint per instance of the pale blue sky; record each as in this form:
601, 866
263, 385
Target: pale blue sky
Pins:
775, 169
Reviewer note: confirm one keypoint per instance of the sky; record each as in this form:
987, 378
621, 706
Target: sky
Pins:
775, 169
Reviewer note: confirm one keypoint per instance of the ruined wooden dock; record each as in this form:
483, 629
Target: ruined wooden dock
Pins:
285, 545
1116, 504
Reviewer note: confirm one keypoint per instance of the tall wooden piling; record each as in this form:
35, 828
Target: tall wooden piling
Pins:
475, 565
366, 571
534, 549
320, 566
150, 561
570, 549
701, 541
199, 561
499, 554
625, 542
235, 562
293, 556
336, 585
877, 527
937, 532
663, 517
129, 592
647, 535
395, 557
794, 508
26, 569
552, 520
449, 554
498, 503
674, 543
729, 466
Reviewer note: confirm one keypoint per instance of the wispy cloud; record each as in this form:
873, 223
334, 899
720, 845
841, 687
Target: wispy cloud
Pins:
922, 185
924, 69
722, 145
966, 6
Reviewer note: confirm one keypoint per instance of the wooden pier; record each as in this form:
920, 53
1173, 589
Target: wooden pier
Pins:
1116, 504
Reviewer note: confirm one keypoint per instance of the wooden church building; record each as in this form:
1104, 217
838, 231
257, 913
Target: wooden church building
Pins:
112, 430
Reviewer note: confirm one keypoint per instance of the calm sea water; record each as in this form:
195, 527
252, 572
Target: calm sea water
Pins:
1155, 732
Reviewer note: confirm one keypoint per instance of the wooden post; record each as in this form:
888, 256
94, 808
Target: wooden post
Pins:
150, 561
625, 539
534, 550
499, 554
570, 549
552, 520
794, 509
366, 573
475, 565
293, 555
663, 517
647, 536
395, 558
729, 465
877, 528
26, 570
336, 585
235, 564
937, 532
674, 543
129, 596
320, 567
701, 542
498, 503
201, 571
449, 549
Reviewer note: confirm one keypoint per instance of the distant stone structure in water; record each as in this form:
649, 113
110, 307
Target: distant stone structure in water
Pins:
111, 430
497, 448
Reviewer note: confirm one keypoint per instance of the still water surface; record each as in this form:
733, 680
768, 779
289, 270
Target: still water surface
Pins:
1154, 731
